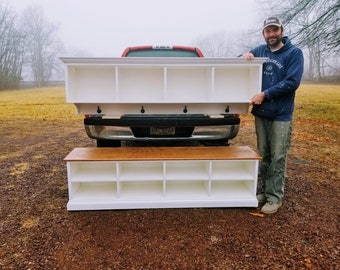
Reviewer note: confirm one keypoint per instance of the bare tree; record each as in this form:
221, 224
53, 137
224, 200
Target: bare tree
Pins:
314, 26
11, 50
43, 45
223, 44
315, 22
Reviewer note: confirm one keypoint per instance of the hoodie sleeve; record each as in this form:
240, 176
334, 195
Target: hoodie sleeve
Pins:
293, 71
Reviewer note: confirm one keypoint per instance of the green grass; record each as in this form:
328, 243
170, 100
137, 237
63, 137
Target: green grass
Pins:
318, 103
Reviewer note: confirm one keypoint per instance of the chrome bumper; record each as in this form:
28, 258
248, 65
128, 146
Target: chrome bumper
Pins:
125, 133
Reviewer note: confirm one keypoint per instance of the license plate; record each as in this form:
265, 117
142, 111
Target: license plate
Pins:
162, 131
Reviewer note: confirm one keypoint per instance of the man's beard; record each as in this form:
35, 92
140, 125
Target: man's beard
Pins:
274, 44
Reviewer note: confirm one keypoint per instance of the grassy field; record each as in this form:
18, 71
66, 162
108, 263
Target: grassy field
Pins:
38, 104
314, 102
316, 124
318, 103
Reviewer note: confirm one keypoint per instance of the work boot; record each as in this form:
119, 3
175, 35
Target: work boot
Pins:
271, 207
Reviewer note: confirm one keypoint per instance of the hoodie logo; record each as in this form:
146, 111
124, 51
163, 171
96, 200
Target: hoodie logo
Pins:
269, 66
268, 70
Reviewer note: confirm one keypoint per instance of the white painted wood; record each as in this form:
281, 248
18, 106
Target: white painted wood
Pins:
204, 85
106, 182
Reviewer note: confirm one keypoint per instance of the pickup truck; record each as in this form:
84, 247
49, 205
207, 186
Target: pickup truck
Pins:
185, 126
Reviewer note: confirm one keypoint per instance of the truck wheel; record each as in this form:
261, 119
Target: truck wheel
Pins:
221, 142
108, 143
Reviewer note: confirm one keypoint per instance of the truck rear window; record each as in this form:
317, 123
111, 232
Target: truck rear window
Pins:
161, 53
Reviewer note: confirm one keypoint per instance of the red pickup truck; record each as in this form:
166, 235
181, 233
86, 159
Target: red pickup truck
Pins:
209, 130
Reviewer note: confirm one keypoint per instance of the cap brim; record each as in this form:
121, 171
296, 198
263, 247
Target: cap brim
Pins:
272, 24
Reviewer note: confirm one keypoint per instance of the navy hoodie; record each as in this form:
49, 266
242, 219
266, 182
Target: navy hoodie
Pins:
282, 73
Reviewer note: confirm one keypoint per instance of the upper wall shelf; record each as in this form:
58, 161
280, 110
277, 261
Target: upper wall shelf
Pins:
135, 82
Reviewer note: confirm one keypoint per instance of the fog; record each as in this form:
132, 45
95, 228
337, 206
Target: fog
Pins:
107, 27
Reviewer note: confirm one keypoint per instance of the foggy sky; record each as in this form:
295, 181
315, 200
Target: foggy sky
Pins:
107, 27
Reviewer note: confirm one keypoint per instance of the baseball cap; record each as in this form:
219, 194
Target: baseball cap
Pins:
272, 21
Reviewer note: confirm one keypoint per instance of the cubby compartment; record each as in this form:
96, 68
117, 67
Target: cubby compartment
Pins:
93, 191
91, 84
192, 170
233, 170
140, 170
139, 84
186, 189
233, 190
92, 171
188, 84
140, 190
231, 79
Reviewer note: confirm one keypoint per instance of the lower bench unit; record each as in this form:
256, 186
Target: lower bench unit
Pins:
161, 177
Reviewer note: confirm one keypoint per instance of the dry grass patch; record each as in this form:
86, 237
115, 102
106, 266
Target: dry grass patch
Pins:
39, 103
318, 103
317, 113
19, 168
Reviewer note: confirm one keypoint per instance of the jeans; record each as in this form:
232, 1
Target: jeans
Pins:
273, 142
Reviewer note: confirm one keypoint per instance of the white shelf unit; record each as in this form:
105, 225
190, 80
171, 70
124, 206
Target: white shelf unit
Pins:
166, 177
123, 85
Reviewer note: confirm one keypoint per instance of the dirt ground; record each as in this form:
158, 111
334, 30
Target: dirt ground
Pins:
37, 232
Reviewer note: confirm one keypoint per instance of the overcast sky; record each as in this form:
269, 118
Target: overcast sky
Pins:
107, 27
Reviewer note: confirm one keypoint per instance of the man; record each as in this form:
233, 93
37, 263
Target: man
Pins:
273, 109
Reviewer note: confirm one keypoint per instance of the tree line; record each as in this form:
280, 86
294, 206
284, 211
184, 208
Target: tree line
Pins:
28, 45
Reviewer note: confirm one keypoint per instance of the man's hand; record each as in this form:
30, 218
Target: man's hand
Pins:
248, 56
257, 99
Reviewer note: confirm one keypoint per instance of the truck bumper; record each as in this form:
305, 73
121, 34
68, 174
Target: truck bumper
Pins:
126, 134
137, 128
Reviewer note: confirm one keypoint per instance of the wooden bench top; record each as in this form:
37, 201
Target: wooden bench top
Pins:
163, 153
